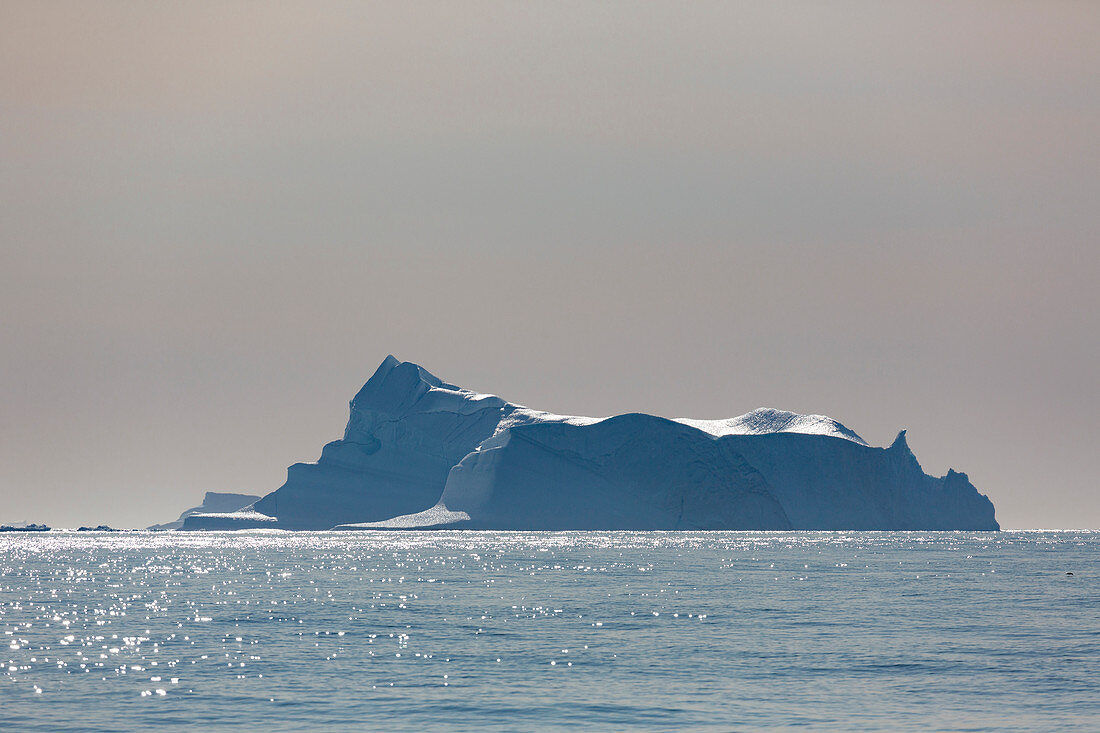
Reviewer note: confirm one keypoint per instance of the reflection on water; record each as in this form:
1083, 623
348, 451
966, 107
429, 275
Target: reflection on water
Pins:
608, 630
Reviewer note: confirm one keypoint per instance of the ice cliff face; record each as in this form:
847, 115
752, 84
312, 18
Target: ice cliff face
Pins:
419, 452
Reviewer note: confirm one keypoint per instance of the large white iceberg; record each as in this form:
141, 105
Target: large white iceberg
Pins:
420, 453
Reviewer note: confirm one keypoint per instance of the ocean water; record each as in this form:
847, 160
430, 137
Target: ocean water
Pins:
550, 631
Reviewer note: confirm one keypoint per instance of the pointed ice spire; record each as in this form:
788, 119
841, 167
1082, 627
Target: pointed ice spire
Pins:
901, 448
900, 442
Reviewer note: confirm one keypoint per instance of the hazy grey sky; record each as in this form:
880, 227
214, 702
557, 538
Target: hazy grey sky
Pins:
216, 219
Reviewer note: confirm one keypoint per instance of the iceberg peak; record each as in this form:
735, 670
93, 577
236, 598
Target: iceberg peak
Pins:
768, 420
900, 447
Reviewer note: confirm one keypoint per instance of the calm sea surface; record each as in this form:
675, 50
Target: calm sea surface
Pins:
550, 631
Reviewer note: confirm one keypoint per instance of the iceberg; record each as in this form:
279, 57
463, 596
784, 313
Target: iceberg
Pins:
212, 502
419, 453
24, 527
